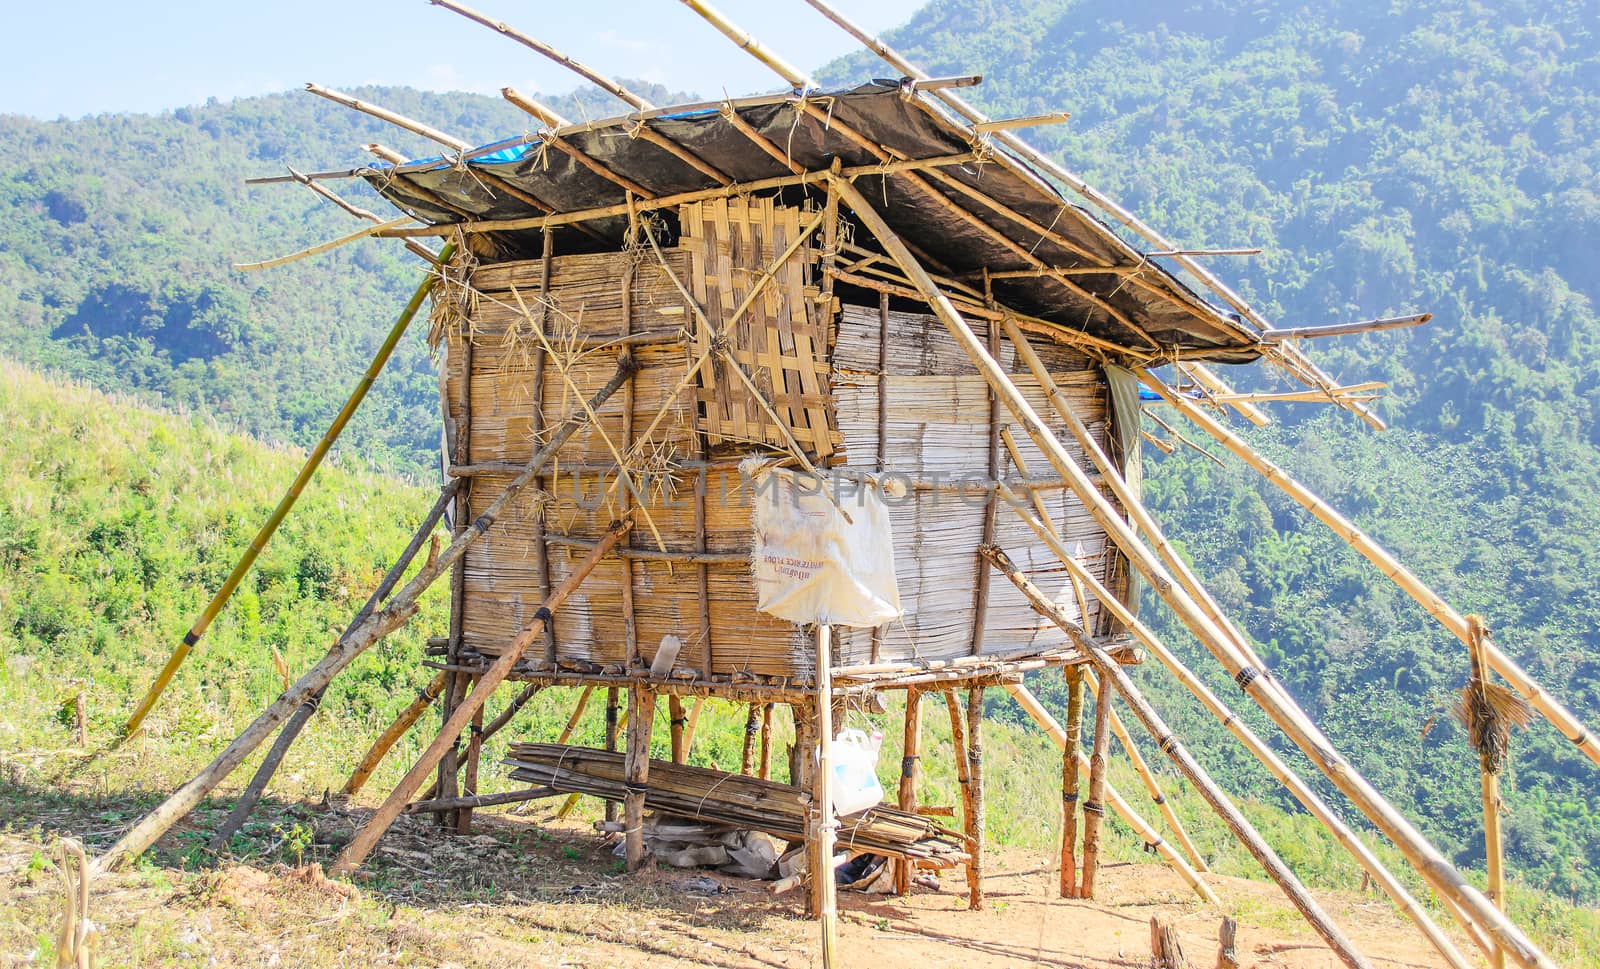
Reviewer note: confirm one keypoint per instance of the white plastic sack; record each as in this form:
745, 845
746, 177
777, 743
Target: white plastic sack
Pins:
855, 772
813, 565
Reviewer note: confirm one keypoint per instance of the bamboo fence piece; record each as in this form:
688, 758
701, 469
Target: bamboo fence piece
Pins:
253, 791
824, 824
392, 733
1285, 712
1290, 359
906, 795
710, 796
367, 838
1142, 768
1552, 709
1094, 808
1143, 829
1069, 783
1186, 764
309, 468
1302, 792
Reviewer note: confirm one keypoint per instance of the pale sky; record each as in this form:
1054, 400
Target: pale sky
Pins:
76, 57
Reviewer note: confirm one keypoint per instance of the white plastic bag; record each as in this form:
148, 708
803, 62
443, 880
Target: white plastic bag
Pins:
855, 772
812, 564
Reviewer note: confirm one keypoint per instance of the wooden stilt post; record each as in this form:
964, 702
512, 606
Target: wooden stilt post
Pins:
1291, 781
367, 838
1143, 829
1069, 783
1424, 857
676, 724
469, 784
752, 735
977, 818
1142, 768
641, 721
1113, 674
912, 753
824, 892
766, 741
962, 753
1094, 808
611, 740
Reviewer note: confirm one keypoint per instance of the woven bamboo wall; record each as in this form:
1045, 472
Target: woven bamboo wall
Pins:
935, 421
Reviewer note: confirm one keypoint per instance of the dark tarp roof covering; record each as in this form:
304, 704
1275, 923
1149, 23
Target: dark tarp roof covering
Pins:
441, 190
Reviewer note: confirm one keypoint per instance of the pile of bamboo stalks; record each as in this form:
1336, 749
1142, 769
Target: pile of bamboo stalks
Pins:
734, 799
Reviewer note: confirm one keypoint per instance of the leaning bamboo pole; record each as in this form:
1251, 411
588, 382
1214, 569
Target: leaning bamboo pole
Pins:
1427, 859
1145, 830
392, 616
392, 733
1558, 715
471, 706
309, 468
1241, 827
1302, 792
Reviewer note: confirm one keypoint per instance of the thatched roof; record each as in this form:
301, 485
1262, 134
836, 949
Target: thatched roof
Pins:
986, 213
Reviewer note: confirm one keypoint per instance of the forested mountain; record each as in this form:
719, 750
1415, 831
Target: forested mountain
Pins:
1387, 157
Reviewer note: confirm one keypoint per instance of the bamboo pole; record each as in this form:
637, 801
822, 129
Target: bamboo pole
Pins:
641, 723
1558, 715
906, 796
1069, 782
824, 891
367, 838
321, 247
797, 79
392, 733
566, 735
1106, 667
1142, 828
1285, 712
309, 468
977, 818
395, 614
1094, 808
466, 803
1224, 715
253, 791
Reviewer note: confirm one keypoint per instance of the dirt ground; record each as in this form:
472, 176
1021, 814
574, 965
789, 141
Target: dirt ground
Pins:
528, 890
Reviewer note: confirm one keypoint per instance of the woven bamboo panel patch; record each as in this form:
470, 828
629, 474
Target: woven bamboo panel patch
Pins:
780, 340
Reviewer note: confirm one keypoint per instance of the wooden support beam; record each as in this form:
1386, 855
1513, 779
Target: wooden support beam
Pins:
641, 722
1069, 782
392, 733
824, 825
962, 754
468, 802
766, 741
977, 815
611, 740
906, 796
752, 736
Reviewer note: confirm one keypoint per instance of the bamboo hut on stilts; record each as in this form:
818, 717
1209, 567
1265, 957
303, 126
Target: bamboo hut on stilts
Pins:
669, 336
